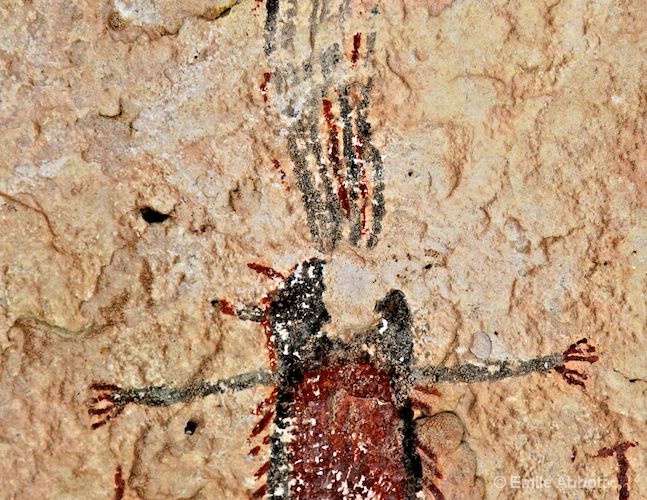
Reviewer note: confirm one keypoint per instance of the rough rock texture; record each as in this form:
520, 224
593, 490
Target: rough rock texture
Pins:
512, 139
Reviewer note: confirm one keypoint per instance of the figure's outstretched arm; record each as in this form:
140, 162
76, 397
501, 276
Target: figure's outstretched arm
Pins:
581, 351
110, 399
251, 313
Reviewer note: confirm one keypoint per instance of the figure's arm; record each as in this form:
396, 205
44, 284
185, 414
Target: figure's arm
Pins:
111, 399
251, 313
579, 351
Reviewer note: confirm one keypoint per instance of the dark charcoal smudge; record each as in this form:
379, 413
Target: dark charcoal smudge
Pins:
272, 7
152, 216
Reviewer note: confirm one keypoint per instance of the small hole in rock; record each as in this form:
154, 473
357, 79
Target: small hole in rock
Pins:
152, 216
190, 427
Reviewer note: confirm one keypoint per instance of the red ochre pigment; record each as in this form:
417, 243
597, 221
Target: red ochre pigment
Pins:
346, 438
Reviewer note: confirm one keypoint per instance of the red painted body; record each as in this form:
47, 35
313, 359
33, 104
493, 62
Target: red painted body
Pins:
347, 440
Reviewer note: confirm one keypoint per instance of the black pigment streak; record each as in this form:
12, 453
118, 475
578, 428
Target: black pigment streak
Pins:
352, 168
278, 476
332, 215
330, 59
372, 154
322, 193
152, 216
491, 371
412, 462
313, 24
165, 396
305, 182
272, 10
296, 315
370, 44
288, 28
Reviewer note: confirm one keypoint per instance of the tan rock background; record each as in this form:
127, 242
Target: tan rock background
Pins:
513, 137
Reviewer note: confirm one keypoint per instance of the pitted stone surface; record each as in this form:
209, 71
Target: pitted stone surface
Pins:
512, 140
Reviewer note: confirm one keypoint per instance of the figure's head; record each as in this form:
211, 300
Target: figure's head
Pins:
300, 323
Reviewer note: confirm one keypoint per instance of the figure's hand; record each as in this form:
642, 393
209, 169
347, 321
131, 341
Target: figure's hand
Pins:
580, 351
108, 402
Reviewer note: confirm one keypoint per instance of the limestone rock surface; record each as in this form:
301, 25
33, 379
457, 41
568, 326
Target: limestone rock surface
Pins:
147, 159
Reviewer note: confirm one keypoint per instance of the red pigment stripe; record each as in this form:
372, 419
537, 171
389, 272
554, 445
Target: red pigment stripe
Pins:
120, 484
342, 192
284, 177
266, 302
262, 424
357, 42
265, 270
438, 495
226, 307
327, 107
104, 387
260, 493
623, 465
420, 405
99, 411
262, 471
266, 402
426, 390
263, 86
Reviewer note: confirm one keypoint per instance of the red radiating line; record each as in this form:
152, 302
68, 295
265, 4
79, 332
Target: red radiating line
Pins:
342, 192
265, 270
357, 42
262, 424
120, 484
266, 402
426, 390
266, 302
438, 495
260, 493
263, 470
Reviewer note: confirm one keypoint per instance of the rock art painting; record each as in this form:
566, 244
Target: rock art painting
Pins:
323, 249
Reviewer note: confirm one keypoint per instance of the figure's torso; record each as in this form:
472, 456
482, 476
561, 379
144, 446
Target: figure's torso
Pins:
347, 436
